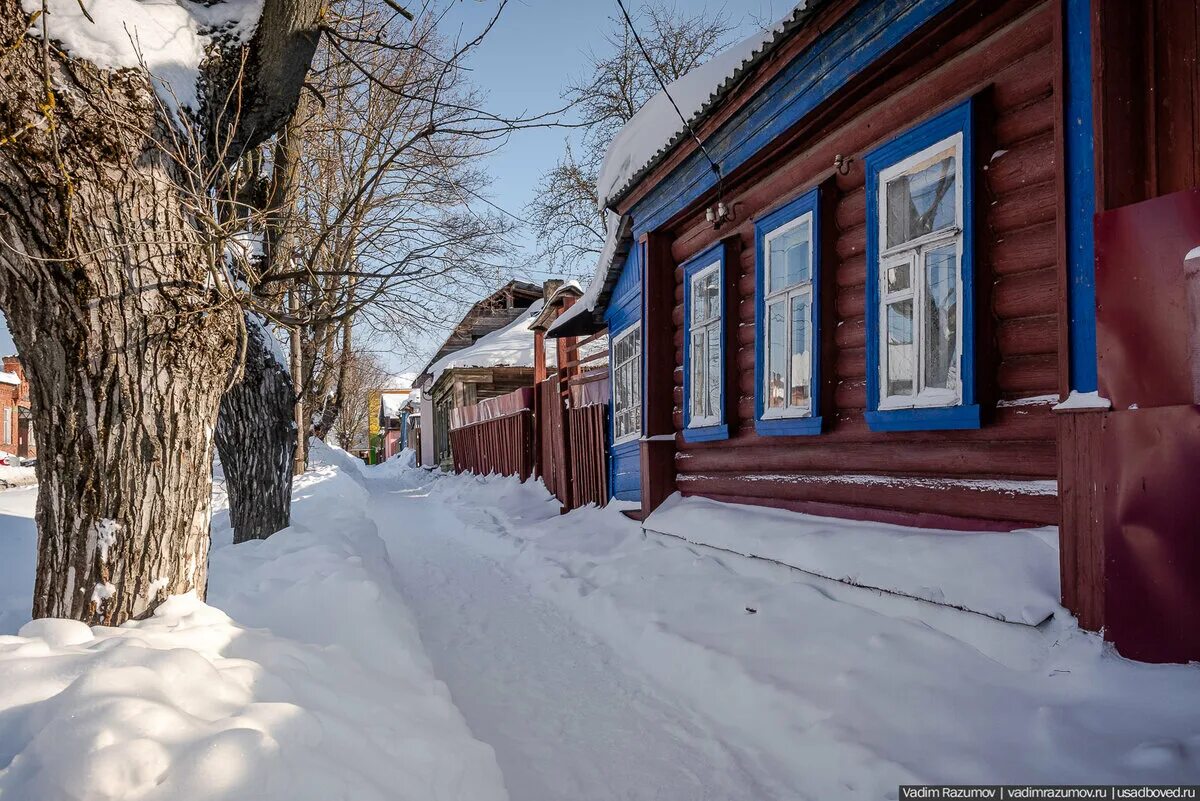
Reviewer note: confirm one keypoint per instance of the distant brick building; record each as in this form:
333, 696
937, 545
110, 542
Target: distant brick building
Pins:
16, 430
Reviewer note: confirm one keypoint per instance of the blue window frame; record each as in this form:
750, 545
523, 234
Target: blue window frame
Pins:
704, 324
920, 268
787, 303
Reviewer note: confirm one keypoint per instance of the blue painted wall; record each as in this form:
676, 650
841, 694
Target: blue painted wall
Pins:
625, 309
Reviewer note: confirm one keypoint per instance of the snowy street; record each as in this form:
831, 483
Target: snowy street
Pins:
454, 638
564, 714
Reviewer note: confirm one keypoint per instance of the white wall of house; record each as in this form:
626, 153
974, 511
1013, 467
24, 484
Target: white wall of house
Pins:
426, 429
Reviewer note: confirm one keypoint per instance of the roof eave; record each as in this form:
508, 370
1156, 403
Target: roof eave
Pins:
800, 17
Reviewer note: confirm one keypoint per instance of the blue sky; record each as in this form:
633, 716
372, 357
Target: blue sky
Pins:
522, 65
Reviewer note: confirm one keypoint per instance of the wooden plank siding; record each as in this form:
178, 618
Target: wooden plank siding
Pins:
1005, 54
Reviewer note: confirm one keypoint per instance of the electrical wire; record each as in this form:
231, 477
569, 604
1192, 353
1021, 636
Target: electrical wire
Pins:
658, 76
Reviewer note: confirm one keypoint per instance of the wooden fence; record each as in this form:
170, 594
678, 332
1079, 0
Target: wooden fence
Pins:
562, 439
588, 443
566, 447
503, 445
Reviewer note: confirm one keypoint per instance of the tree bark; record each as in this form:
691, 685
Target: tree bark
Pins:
106, 278
126, 362
256, 439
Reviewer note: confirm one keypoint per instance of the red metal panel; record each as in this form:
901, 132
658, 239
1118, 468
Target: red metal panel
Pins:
1152, 533
1144, 332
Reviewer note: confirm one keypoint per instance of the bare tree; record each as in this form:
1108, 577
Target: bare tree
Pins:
109, 277
382, 224
569, 227
364, 374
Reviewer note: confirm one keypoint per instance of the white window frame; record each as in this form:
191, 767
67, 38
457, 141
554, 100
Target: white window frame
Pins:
913, 253
707, 329
8, 426
614, 366
786, 294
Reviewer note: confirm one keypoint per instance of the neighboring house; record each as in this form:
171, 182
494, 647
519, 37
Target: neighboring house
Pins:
16, 427
489, 353
865, 293
393, 421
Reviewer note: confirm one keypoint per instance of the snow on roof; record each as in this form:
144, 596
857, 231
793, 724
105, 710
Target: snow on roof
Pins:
10, 378
510, 346
391, 403
653, 131
166, 37
656, 128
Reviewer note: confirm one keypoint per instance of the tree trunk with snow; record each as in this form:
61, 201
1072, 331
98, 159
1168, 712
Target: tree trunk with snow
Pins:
107, 281
126, 363
256, 440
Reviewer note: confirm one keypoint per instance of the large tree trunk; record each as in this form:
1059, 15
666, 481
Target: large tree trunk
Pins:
107, 280
126, 359
256, 440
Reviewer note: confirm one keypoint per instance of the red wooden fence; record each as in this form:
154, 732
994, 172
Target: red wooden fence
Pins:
586, 428
563, 439
552, 442
503, 445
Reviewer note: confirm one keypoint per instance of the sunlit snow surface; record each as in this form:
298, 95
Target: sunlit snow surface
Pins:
594, 660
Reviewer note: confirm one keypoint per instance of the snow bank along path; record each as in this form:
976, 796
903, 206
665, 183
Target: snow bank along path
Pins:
824, 691
308, 683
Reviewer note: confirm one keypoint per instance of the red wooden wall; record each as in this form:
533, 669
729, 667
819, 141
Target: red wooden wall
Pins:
1008, 55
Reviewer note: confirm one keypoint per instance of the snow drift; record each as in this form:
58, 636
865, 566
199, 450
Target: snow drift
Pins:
303, 678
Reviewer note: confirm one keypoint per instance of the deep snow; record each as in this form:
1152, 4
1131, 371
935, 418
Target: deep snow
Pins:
598, 661
828, 690
304, 679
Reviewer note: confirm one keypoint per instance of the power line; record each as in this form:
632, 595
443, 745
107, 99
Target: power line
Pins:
663, 84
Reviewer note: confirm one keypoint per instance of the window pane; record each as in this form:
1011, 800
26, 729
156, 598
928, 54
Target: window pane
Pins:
699, 304
776, 354
698, 390
900, 367
789, 258
635, 391
922, 200
713, 408
801, 353
940, 321
898, 278
713, 294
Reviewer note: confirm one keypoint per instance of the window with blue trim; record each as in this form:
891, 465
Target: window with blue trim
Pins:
704, 346
626, 367
920, 313
787, 292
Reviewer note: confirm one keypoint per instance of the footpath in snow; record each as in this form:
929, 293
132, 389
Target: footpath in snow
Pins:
815, 688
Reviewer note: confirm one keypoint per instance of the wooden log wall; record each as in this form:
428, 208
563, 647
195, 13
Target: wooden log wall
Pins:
1007, 55
503, 446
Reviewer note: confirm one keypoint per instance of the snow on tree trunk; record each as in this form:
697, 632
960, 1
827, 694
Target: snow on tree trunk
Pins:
256, 440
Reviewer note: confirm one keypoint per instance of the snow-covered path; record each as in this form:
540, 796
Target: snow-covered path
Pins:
566, 718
